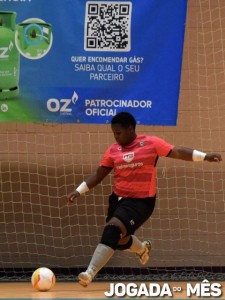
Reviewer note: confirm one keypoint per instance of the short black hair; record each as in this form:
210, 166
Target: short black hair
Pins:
124, 119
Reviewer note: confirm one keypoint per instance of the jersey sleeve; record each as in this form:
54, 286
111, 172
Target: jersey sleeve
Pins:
162, 147
107, 160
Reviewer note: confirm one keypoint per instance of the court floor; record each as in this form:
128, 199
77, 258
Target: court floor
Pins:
60, 290
63, 290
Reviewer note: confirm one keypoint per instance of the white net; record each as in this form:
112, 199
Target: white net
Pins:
40, 164
38, 228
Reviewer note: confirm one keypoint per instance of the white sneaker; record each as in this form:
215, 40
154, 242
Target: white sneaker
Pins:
144, 257
85, 278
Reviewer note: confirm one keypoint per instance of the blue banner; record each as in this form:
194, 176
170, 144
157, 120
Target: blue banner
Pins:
77, 61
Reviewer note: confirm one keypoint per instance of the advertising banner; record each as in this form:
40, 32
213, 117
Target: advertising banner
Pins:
77, 61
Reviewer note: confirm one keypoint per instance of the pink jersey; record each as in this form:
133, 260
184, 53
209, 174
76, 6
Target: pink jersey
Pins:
134, 165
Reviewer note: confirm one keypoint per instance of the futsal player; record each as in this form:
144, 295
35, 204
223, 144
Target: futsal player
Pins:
133, 160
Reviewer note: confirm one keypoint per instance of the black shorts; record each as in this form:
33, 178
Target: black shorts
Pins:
132, 212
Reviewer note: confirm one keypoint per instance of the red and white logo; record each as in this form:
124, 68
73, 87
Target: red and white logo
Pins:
128, 157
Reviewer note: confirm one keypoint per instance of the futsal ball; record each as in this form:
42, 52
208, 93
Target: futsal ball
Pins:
43, 279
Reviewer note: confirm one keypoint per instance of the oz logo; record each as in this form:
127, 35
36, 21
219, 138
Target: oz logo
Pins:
55, 105
4, 52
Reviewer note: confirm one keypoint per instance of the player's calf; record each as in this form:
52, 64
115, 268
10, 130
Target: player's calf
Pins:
103, 252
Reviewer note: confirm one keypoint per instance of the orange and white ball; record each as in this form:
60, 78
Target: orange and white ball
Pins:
43, 279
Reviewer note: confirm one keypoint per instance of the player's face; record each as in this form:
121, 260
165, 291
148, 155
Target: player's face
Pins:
123, 136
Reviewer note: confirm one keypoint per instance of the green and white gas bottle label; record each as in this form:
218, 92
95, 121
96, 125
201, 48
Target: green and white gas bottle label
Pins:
34, 38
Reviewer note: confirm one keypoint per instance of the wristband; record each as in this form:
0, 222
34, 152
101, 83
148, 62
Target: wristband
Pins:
82, 188
198, 156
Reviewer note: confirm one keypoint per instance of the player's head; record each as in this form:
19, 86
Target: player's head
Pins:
123, 126
124, 119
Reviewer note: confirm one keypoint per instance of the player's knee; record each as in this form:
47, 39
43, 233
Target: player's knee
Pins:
111, 236
125, 246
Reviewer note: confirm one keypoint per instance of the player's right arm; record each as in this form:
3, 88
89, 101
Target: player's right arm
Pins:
93, 180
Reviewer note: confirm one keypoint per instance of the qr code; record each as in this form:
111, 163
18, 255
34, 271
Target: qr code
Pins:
107, 26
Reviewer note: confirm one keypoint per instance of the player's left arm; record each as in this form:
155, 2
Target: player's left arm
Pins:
189, 154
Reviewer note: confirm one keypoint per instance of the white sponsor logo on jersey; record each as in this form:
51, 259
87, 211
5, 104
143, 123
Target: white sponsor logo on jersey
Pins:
128, 157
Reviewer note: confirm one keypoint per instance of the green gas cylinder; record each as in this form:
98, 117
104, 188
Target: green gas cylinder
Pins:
9, 56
